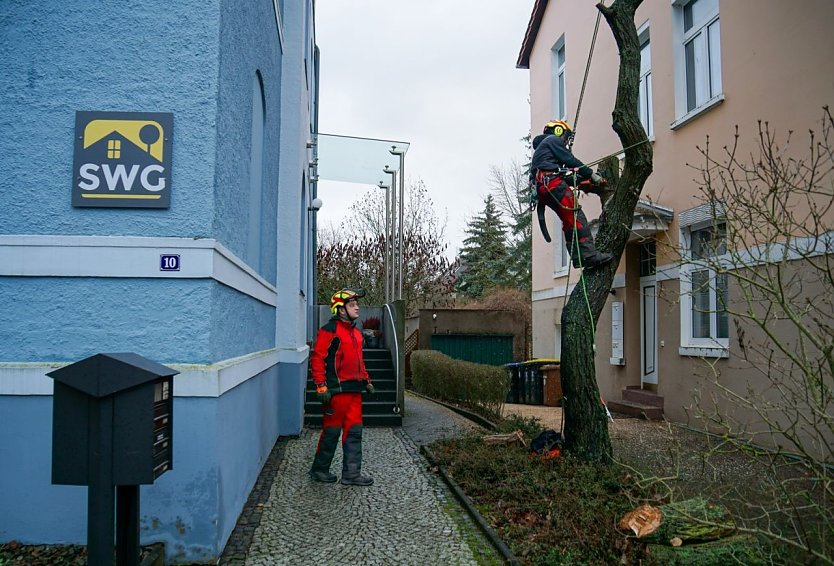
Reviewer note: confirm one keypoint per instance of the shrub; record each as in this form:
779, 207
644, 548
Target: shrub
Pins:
479, 387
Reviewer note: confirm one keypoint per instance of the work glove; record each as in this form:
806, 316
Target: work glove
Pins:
599, 180
369, 387
323, 394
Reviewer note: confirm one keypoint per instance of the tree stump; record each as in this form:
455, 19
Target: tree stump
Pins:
691, 521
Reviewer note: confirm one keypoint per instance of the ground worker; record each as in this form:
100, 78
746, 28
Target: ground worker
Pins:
554, 172
339, 373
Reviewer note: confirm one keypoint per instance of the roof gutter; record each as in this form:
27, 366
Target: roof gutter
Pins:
533, 25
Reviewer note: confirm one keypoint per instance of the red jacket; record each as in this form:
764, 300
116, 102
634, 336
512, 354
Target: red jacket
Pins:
337, 359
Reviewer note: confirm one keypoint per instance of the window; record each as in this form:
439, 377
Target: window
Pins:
709, 290
557, 342
648, 259
645, 96
256, 190
558, 58
699, 55
114, 149
561, 257
704, 291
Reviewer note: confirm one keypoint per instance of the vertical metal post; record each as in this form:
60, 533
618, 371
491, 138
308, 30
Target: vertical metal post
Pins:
127, 525
393, 227
387, 239
100, 494
393, 231
400, 233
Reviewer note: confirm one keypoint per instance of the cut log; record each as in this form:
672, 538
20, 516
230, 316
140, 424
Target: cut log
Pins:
516, 437
739, 549
692, 521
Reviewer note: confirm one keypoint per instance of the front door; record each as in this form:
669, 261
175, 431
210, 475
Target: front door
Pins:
648, 332
648, 316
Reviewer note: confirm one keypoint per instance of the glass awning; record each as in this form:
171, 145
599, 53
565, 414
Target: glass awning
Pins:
357, 160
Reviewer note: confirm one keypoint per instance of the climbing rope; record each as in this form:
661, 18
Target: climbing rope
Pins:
575, 246
587, 70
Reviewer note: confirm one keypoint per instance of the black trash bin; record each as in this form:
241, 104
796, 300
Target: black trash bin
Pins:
514, 392
527, 381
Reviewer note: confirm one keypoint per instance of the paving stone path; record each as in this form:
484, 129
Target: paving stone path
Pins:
407, 517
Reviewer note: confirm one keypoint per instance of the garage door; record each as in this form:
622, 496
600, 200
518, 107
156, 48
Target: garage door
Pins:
492, 349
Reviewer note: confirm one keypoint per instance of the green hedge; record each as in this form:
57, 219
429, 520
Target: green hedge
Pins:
482, 388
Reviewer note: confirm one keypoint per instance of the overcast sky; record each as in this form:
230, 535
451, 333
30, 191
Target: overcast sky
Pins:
439, 74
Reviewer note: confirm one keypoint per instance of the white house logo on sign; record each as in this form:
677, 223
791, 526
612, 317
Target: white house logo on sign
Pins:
122, 159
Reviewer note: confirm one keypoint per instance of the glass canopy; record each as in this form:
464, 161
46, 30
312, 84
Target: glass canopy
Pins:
357, 160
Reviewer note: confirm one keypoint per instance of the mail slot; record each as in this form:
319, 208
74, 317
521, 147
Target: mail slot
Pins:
163, 415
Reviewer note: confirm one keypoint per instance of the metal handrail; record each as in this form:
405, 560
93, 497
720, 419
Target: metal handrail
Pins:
396, 360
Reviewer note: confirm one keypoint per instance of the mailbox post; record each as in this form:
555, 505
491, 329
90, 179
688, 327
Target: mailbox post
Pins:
112, 427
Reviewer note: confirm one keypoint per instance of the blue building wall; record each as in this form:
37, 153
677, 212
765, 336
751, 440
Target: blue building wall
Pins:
77, 281
249, 44
59, 57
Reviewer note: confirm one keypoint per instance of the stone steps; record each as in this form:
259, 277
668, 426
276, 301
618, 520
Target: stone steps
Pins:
639, 403
377, 409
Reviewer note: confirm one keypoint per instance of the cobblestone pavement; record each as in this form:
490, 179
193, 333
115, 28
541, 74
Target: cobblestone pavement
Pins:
407, 517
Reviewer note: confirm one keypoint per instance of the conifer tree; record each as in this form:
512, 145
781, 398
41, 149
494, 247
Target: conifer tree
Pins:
484, 257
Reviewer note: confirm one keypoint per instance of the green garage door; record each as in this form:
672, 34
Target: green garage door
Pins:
492, 349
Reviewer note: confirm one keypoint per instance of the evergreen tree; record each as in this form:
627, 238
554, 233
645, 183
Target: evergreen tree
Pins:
484, 257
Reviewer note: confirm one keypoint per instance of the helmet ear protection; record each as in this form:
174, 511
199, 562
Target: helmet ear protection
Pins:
558, 128
341, 297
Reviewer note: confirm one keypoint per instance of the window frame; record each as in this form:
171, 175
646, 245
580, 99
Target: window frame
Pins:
645, 99
711, 346
559, 105
708, 71
560, 250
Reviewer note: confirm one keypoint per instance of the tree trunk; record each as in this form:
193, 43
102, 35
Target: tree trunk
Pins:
739, 549
586, 428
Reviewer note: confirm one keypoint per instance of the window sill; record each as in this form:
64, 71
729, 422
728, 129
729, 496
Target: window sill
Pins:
705, 352
692, 114
560, 273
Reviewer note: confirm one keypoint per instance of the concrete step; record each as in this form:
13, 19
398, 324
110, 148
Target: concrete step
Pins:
381, 394
367, 420
376, 354
642, 396
640, 410
379, 365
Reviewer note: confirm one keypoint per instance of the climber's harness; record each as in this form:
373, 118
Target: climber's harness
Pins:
562, 177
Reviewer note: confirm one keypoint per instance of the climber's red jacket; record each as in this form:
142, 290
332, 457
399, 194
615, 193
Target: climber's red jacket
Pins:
337, 360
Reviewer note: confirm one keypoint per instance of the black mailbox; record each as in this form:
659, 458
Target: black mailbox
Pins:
112, 425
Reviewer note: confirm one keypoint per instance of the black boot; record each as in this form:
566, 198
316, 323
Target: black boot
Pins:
352, 458
586, 255
320, 471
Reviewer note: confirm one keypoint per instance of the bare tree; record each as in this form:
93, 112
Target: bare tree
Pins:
586, 429
510, 186
353, 255
772, 256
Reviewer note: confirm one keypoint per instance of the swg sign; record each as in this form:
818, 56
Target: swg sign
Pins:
122, 159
